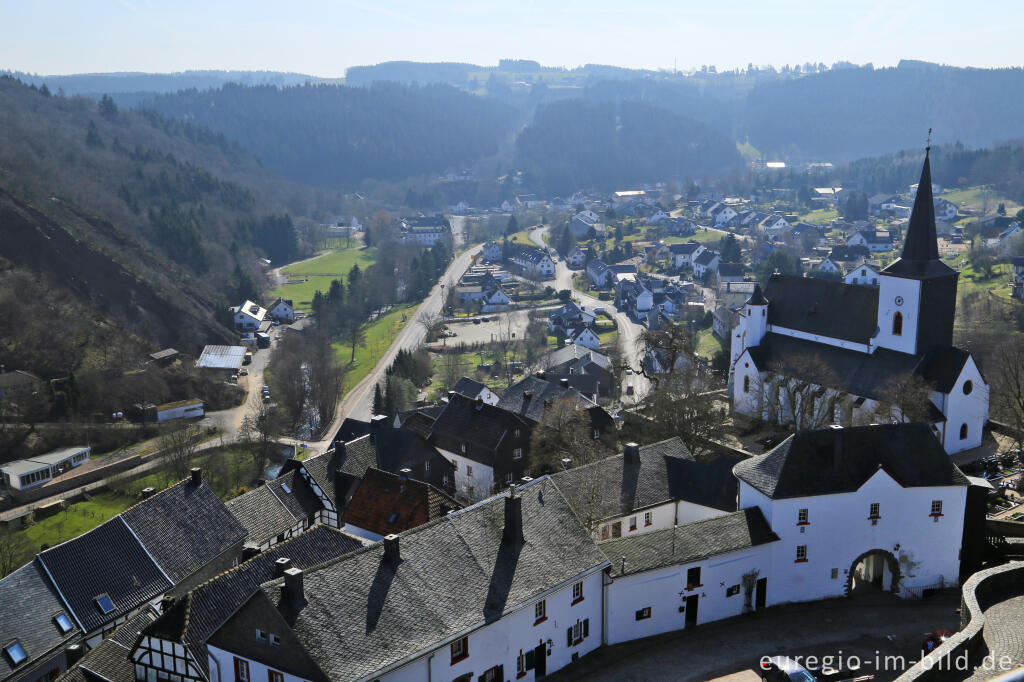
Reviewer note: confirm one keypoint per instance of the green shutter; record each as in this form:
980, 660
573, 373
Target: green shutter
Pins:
530, 655
501, 673
568, 634
586, 627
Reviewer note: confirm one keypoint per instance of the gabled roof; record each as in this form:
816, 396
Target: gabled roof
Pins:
667, 471
111, 659
731, 269
832, 461
363, 613
848, 253
688, 542
542, 394
706, 256
824, 308
386, 503
482, 427
184, 527
29, 606
875, 237
470, 388
275, 507
684, 249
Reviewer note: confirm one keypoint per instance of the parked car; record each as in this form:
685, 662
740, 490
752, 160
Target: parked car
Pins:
243, 372
476, 320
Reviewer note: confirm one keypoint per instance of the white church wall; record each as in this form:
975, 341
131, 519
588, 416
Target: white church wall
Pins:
907, 292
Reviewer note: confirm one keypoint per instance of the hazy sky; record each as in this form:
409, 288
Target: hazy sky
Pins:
322, 37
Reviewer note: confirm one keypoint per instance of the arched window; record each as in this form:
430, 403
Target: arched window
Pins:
963, 431
746, 384
897, 324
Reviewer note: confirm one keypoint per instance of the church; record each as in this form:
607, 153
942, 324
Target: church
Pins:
810, 352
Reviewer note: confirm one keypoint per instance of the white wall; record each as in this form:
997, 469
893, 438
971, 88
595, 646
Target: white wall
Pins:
225, 661
889, 288
687, 512
969, 409
475, 486
663, 516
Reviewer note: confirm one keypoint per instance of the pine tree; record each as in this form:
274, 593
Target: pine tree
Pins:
390, 407
378, 400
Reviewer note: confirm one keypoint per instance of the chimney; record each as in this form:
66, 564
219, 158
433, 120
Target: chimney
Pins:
527, 396
540, 375
249, 551
564, 381
403, 474
513, 531
293, 586
197, 476
281, 565
631, 455
392, 554
148, 492
73, 654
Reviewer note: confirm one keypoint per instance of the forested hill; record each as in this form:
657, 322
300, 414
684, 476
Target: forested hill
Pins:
122, 226
581, 143
332, 135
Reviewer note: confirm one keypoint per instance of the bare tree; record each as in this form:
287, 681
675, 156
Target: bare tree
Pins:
179, 444
800, 390
682, 405
14, 551
259, 432
432, 323
288, 379
1008, 389
567, 431
325, 378
451, 370
671, 343
907, 396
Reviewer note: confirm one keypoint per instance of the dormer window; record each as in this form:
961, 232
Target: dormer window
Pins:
63, 623
15, 653
104, 603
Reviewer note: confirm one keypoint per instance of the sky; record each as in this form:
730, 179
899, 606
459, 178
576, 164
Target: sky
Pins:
324, 37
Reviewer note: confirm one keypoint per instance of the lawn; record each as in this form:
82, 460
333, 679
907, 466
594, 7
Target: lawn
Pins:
820, 216
521, 238
76, 519
980, 198
701, 237
316, 274
379, 335
707, 344
971, 281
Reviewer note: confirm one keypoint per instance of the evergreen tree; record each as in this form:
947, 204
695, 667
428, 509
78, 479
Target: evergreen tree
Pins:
390, 406
108, 109
378, 400
512, 227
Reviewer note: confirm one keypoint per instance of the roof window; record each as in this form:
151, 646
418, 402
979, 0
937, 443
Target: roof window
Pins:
15, 653
63, 623
104, 603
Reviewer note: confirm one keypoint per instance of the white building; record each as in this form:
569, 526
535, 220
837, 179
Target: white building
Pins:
492, 251
863, 272
424, 230
683, 255
576, 257
24, 474
282, 310
705, 262
182, 409
814, 352
535, 262
874, 240
249, 316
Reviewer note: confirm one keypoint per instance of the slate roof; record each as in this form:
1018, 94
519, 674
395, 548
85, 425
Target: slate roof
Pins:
667, 471
111, 659
920, 257
757, 297
184, 527
822, 307
386, 503
275, 507
470, 388
731, 269
419, 423
85, 567
688, 542
848, 253
832, 461
683, 249
543, 394
194, 618
362, 613
29, 606
706, 256
481, 426
571, 352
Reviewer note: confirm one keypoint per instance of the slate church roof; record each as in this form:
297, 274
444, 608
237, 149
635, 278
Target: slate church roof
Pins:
822, 307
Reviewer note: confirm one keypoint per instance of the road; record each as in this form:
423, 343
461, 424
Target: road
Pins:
629, 331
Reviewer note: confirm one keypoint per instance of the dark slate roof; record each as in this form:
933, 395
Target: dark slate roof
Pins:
275, 507
194, 618
184, 527
757, 298
920, 258
706, 256
111, 659
824, 308
688, 542
29, 606
667, 471
470, 388
358, 456
419, 423
942, 366
386, 504
481, 426
683, 249
731, 269
362, 613
543, 394
848, 253
831, 461
106, 560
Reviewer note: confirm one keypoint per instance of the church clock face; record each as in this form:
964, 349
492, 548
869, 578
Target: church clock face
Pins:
899, 300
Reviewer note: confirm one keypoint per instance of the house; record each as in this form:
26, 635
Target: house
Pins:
248, 316
534, 395
863, 271
1018, 277
881, 202
569, 316
507, 206
841, 258
573, 362
945, 209
811, 351
515, 584
599, 274
633, 297
473, 389
657, 217
487, 446
731, 272
723, 320
282, 310
386, 503
583, 222
576, 257
721, 215
1009, 233
705, 262
774, 224
527, 201
24, 474
424, 230
657, 253
683, 255
534, 262
874, 240
495, 301
275, 511
583, 335
936, 189
492, 251
110, 659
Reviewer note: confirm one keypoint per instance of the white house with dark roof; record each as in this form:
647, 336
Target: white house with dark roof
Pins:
684, 254
248, 316
282, 310
705, 262
874, 240
814, 352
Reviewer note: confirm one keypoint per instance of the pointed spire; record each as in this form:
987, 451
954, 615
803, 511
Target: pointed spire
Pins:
922, 244
757, 298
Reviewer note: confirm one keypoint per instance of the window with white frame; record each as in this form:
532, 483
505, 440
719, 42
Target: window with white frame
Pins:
517, 453
632, 523
801, 552
539, 611
648, 518
577, 592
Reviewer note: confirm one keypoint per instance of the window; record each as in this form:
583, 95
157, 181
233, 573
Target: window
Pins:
597, 434
801, 552
606, 532
632, 523
15, 653
835, 573
517, 453
963, 431
968, 387
577, 592
617, 529
648, 518
540, 612
508, 478
801, 517
520, 664
746, 384
644, 613
274, 676
897, 324
261, 636
275, 640
426, 467
693, 578
65, 626
104, 603
576, 633
460, 650
495, 674
732, 591
463, 446
863, 272
936, 508
469, 470
517, 433
241, 670
874, 511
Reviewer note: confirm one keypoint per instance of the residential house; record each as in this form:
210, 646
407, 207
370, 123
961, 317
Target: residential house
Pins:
658, 217
534, 395
495, 301
583, 222
275, 511
527, 201
721, 215
576, 257
683, 255
1018, 277
936, 189
507, 206
386, 503
248, 316
874, 240
492, 251
945, 209
774, 225
731, 272
599, 274
573, 362
1008, 234
110, 659
534, 262
863, 271
568, 316
424, 230
633, 297
282, 310
473, 389
583, 335
877, 203
841, 258
705, 262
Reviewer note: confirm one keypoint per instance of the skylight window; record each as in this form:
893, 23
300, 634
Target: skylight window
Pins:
393, 517
105, 603
284, 487
63, 623
15, 653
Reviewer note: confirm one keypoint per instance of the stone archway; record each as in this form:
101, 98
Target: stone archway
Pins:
876, 566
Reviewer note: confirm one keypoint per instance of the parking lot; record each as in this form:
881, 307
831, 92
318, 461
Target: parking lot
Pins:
498, 326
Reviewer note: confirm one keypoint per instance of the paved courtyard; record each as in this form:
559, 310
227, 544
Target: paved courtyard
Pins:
867, 628
1004, 637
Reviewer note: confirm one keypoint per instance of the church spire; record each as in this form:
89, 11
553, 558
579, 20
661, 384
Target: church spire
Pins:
922, 244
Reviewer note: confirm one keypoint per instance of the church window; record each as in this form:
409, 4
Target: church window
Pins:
968, 387
963, 431
746, 384
897, 324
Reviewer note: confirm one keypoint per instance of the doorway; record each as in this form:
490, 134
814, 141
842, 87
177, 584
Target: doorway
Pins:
761, 594
540, 661
691, 610
874, 571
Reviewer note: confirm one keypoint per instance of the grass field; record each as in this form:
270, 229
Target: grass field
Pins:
318, 272
76, 519
521, 238
748, 151
980, 198
379, 335
707, 344
701, 237
971, 281
820, 216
